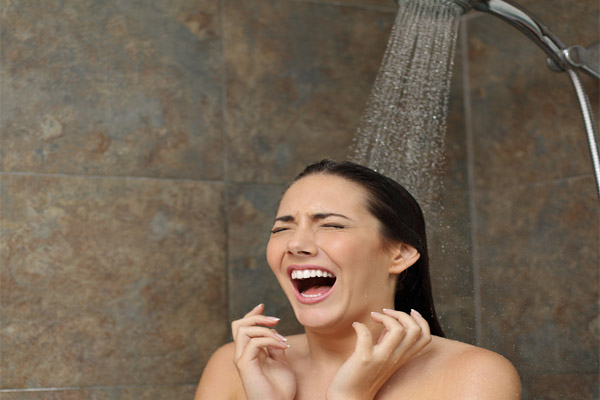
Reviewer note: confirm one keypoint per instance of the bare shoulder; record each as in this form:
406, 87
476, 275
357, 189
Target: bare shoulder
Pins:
475, 373
220, 379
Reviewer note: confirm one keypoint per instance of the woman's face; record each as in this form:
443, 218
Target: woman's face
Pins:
327, 253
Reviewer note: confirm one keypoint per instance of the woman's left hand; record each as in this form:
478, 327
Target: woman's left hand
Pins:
370, 366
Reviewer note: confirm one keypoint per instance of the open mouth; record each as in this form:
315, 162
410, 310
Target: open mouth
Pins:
312, 283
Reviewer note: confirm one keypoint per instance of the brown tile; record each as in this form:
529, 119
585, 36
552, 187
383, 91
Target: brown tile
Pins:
561, 17
47, 395
112, 88
388, 5
539, 255
117, 393
562, 387
251, 210
451, 266
455, 177
527, 126
298, 77
448, 224
110, 281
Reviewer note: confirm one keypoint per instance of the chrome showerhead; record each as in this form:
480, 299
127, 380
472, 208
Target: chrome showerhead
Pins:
464, 4
524, 21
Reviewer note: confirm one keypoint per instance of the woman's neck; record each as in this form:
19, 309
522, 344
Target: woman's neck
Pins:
331, 348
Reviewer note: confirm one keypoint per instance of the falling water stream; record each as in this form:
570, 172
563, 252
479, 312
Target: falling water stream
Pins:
402, 133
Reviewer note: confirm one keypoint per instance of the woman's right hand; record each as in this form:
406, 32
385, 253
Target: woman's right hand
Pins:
260, 357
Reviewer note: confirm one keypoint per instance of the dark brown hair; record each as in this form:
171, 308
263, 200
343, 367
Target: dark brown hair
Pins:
401, 220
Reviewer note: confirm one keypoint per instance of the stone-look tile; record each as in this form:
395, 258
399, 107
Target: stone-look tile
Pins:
117, 393
448, 226
123, 88
451, 267
455, 177
298, 77
561, 387
110, 281
527, 125
251, 210
539, 273
389, 5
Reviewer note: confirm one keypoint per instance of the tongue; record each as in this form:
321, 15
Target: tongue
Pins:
316, 290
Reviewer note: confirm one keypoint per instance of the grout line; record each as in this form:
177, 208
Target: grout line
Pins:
225, 166
390, 9
524, 185
74, 388
471, 182
141, 178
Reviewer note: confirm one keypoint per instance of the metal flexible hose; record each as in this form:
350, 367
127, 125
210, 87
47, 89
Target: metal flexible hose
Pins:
588, 120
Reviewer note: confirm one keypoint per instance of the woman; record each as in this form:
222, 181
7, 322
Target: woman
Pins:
348, 247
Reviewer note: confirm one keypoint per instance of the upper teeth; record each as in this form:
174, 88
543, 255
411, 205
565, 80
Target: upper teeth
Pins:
310, 273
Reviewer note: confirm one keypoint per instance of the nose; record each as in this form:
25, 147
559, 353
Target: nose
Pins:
302, 243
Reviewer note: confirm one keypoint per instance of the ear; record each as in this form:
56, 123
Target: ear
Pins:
403, 256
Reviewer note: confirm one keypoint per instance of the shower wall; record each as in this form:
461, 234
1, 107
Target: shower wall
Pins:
145, 146
533, 203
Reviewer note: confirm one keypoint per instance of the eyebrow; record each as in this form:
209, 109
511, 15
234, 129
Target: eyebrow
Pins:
318, 216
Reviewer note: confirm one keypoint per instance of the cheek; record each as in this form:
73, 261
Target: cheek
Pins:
273, 255
367, 257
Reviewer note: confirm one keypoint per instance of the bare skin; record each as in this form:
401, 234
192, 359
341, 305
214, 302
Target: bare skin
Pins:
446, 369
355, 346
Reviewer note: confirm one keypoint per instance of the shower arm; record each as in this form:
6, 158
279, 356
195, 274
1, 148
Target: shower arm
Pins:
560, 58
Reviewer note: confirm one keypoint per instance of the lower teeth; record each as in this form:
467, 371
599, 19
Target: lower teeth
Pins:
310, 295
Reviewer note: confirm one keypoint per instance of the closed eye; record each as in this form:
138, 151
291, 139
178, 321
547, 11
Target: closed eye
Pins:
277, 230
336, 226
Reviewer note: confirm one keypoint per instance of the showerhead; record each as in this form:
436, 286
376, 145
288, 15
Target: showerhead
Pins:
464, 4
559, 57
524, 21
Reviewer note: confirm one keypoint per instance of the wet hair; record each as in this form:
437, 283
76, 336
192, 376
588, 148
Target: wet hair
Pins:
401, 220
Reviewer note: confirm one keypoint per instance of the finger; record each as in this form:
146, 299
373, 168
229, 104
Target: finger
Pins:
247, 333
421, 321
259, 331
256, 310
277, 354
364, 340
251, 319
394, 331
258, 346
425, 337
390, 344
413, 329
417, 332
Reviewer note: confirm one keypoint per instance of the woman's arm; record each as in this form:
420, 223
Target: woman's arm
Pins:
220, 379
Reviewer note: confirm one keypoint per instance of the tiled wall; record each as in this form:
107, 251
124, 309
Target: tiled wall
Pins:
534, 203
144, 148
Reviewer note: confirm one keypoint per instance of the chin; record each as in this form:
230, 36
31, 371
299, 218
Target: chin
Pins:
319, 316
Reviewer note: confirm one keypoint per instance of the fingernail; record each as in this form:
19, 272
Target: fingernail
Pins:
281, 337
375, 313
261, 304
412, 310
387, 309
274, 318
285, 344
